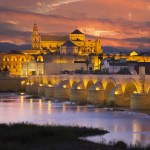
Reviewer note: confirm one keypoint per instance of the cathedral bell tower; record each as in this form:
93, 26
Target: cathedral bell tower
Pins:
98, 46
35, 38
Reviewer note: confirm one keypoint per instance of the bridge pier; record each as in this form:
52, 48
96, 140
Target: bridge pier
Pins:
78, 95
62, 91
117, 98
96, 96
49, 92
28, 89
140, 101
34, 89
41, 90
95, 89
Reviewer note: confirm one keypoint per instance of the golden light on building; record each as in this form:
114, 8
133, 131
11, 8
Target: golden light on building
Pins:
97, 89
135, 92
64, 86
40, 84
79, 88
22, 82
117, 93
49, 85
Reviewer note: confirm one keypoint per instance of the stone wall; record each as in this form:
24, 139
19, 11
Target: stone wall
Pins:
12, 84
56, 68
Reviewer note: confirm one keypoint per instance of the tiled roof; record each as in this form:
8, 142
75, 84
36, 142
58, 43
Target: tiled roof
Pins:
54, 38
76, 32
68, 43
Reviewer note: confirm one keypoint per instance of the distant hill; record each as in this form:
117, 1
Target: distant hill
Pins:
114, 50
6, 47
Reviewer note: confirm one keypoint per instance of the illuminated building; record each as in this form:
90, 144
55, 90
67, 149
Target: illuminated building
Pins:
54, 54
76, 40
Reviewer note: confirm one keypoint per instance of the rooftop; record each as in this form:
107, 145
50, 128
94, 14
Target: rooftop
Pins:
68, 43
76, 32
47, 37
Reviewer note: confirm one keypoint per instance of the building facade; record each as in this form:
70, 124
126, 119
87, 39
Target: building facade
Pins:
56, 43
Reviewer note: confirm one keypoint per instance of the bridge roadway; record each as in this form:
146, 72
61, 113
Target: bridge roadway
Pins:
121, 90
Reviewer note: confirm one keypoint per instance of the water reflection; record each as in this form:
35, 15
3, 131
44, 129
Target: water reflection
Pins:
49, 107
137, 128
31, 105
40, 106
122, 126
64, 108
78, 108
21, 103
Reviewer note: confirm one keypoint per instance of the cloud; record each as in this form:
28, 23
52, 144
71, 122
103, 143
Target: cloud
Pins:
119, 22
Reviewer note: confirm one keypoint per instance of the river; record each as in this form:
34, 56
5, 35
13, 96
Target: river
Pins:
122, 125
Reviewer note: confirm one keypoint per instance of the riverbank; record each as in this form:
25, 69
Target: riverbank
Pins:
25, 136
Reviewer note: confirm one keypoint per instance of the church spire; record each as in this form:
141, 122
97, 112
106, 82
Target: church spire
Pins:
35, 37
35, 28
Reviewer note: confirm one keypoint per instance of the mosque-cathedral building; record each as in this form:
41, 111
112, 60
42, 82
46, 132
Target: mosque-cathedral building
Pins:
54, 54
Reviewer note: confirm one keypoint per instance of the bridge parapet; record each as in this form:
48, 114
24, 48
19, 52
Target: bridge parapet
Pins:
94, 88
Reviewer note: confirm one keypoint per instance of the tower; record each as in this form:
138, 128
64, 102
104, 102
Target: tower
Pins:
35, 38
77, 35
98, 46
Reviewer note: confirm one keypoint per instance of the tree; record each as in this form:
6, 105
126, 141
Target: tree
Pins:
87, 62
113, 61
100, 57
124, 70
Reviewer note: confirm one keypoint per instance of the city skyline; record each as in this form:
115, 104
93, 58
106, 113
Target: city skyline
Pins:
120, 23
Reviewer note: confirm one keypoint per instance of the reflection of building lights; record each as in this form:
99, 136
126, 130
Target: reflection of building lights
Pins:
64, 108
31, 104
22, 103
78, 87
49, 107
64, 86
136, 128
78, 108
40, 106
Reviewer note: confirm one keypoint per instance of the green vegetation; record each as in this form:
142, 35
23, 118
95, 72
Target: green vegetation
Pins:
124, 70
25, 136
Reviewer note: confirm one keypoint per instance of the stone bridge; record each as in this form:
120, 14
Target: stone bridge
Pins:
119, 90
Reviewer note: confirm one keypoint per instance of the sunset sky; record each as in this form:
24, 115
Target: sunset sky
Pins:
121, 23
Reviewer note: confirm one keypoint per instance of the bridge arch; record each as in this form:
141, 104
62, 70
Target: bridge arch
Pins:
111, 83
130, 86
79, 85
89, 84
74, 83
99, 85
64, 84
62, 90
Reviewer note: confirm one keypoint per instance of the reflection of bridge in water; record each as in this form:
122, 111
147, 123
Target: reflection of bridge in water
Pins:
122, 90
